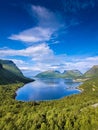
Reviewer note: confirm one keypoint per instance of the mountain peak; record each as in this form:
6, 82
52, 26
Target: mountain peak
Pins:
10, 73
57, 74
93, 72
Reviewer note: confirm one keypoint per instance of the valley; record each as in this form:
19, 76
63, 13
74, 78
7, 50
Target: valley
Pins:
72, 112
48, 64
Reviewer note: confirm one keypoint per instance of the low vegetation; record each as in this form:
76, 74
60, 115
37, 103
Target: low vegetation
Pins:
76, 112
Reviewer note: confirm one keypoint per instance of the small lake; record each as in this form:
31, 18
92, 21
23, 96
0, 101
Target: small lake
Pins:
47, 89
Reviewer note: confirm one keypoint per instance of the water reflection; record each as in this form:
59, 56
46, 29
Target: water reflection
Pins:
47, 89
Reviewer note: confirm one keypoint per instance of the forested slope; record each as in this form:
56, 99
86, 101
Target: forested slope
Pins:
70, 113
10, 73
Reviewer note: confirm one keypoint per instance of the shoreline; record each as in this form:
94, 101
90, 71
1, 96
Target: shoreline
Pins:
77, 89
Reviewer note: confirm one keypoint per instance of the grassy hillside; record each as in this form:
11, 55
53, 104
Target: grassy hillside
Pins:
76, 112
93, 72
9, 73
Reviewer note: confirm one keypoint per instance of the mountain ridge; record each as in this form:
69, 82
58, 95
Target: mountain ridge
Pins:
57, 74
10, 73
74, 74
92, 72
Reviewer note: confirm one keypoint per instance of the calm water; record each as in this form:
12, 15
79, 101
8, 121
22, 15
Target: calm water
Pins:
47, 89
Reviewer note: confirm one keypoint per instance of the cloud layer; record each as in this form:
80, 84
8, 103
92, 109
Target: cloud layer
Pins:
35, 52
41, 58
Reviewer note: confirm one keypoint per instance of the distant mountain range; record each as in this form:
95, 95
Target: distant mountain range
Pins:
10, 73
57, 74
73, 74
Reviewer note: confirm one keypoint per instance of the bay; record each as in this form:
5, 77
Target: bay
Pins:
47, 89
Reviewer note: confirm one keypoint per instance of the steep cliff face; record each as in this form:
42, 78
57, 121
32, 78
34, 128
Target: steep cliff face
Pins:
10, 66
10, 73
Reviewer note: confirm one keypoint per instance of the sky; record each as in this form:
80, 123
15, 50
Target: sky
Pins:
40, 35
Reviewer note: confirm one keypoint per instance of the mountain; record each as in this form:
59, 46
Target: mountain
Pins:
57, 74
10, 66
72, 73
10, 73
49, 74
93, 72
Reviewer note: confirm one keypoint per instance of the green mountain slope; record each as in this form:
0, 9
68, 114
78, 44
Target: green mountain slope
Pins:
9, 73
72, 73
57, 74
10, 66
49, 74
93, 72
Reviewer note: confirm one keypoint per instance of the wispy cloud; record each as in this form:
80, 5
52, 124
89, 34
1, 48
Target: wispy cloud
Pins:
82, 64
45, 17
32, 51
48, 23
37, 34
75, 5
60, 64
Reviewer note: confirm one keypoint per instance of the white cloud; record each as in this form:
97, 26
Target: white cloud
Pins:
82, 64
32, 51
41, 58
37, 34
64, 63
48, 24
19, 62
46, 17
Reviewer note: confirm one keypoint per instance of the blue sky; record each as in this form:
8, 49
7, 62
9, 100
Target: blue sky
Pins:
51, 34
